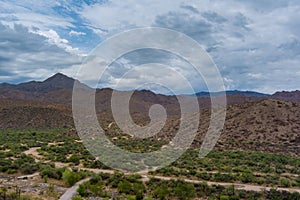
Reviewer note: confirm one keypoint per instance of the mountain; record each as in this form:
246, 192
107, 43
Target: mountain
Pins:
58, 90
267, 125
20, 115
254, 121
231, 92
57, 82
287, 96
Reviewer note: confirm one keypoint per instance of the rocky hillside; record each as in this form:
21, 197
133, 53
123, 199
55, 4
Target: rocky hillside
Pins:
268, 123
33, 115
287, 96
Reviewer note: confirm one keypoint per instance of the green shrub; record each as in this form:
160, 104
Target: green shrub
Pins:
82, 190
77, 198
28, 168
70, 178
161, 192
224, 197
125, 187
285, 182
184, 191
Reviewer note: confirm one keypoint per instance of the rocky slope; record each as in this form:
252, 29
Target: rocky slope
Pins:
269, 123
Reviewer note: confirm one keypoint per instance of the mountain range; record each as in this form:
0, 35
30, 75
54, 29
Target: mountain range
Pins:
231, 92
60, 82
254, 121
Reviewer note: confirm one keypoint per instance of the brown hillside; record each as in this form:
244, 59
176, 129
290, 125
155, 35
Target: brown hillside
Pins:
33, 115
268, 125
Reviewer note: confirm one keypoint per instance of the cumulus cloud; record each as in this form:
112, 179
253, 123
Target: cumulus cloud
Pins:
30, 55
115, 16
54, 38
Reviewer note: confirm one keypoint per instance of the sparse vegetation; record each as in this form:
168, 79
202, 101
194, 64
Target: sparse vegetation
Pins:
252, 167
223, 166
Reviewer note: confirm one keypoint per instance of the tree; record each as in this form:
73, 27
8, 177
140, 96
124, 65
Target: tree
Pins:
185, 191
75, 159
274, 195
124, 187
161, 192
69, 177
247, 177
29, 168
97, 189
82, 190
139, 190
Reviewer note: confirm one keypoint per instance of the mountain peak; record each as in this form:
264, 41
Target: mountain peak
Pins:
56, 82
59, 77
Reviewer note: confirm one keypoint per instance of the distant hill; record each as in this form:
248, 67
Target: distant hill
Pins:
287, 96
58, 89
231, 92
57, 82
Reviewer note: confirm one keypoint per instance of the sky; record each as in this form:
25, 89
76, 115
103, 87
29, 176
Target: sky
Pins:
254, 44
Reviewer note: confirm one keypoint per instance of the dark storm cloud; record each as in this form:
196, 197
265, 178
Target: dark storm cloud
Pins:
190, 8
214, 17
194, 27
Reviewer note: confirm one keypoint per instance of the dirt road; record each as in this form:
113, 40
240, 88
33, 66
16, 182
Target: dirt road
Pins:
72, 191
239, 186
247, 187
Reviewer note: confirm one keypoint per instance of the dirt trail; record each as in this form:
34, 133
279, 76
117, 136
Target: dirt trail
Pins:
33, 152
72, 191
37, 157
246, 187
239, 186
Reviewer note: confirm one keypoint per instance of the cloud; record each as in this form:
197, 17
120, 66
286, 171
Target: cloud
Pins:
244, 39
75, 33
195, 27
143, 67
33, 13
54, 38
159, 78
255, 75
213, 17
190, 8
115, 16
255, 44
27, 55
